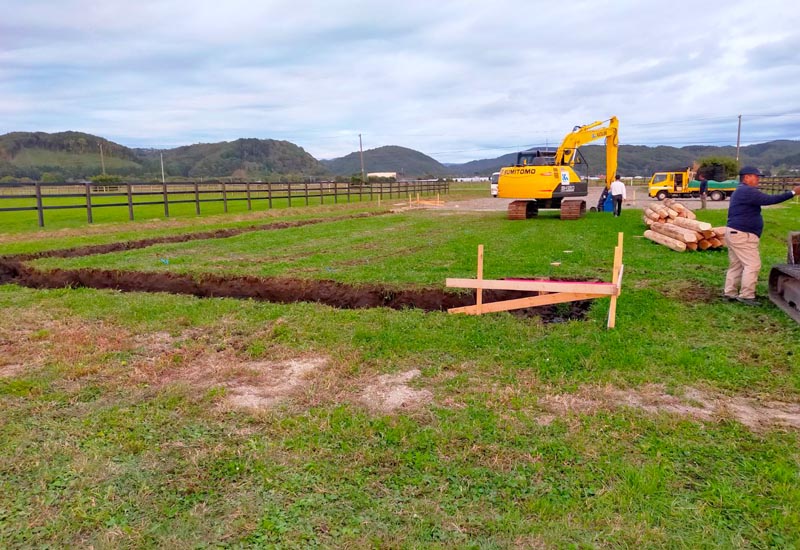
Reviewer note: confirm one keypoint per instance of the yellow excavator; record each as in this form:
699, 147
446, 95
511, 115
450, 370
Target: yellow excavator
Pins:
544, 178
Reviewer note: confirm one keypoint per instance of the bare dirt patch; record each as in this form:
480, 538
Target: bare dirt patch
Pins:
12, 370
262, 384
691, 292
36, 340
247, 384
694, 403
391, 392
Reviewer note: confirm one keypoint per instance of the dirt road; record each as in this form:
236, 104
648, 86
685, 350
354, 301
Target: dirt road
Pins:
636, 199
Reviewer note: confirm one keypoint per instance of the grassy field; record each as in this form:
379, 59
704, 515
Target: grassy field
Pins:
154, 420
71, 211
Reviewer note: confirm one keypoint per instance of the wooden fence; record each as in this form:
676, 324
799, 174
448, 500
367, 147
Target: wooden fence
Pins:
166, 194
774, 185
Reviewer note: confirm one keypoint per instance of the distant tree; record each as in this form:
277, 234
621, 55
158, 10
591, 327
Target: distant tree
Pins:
52, 177
239, 174
105, 178
718, 168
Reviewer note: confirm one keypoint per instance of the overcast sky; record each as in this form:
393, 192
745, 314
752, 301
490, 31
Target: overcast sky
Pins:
457, 80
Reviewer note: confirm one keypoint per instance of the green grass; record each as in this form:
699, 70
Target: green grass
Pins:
95, 453
71, 212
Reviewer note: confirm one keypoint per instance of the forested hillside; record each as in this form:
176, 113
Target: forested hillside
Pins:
390, 158
75, 156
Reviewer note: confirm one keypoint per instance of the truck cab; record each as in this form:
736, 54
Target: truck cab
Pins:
682, 183
666, 184
493, 184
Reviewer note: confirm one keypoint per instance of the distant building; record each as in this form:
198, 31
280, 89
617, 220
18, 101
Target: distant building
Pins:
474, 178
382, 175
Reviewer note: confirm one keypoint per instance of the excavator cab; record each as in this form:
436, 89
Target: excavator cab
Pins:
536, 157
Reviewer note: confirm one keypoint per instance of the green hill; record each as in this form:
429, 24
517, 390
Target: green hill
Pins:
390, 158
243, 158
64, 154
640, 160
75, 155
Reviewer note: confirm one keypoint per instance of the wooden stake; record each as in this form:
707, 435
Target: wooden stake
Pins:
479, 292
616, 276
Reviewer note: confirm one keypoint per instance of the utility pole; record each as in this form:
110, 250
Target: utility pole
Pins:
361, 149
102, 161
738, 138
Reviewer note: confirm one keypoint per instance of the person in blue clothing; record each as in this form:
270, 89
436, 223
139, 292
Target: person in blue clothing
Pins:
743, 235
703, 190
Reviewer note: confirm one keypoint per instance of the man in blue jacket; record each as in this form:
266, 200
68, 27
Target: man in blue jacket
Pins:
745, 225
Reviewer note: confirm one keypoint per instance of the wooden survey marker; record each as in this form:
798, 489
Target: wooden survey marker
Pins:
547, 291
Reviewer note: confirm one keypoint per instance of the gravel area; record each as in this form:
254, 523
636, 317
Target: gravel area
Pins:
637, 199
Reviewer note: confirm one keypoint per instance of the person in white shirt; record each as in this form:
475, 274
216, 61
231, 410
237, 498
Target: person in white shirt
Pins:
617, 195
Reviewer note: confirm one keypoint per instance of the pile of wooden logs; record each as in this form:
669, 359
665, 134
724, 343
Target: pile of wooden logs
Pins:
675, 226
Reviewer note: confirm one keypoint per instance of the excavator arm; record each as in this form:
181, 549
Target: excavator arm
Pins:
581, 135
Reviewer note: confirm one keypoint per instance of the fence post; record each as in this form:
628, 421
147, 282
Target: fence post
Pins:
196, 198
269, 194
39, 208
89, 202
335, 193
247, 187
348, 193
289, 193
130, 200
321, 192
305, 188
224, 198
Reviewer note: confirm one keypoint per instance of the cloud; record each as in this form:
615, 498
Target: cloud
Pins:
458, 80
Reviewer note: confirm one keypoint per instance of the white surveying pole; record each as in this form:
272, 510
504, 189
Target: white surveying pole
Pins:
361, 149
738, 138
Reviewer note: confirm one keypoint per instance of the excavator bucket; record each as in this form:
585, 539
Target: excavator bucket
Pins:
784, 280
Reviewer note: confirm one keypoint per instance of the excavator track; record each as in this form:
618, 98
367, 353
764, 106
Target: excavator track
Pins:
784, 280
522, 210
572, 209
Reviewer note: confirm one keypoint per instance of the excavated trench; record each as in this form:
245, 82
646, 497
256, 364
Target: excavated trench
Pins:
14, 269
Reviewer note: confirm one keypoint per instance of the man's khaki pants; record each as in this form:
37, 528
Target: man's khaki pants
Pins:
744, 263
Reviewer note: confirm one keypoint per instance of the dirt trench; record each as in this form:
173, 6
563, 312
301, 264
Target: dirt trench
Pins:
281, 290
14, 269
144, 243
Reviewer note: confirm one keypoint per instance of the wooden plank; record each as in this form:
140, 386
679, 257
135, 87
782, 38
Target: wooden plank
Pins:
531, 301
535, 285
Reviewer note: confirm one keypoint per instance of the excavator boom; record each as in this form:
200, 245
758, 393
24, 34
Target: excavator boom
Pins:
581, 135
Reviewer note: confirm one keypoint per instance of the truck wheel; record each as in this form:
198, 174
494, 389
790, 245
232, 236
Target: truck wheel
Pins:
661, 195
717, 195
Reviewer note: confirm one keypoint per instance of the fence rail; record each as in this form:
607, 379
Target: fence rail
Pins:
775, 185
132, 193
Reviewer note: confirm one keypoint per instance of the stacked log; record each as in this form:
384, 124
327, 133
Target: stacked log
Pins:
675, 226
